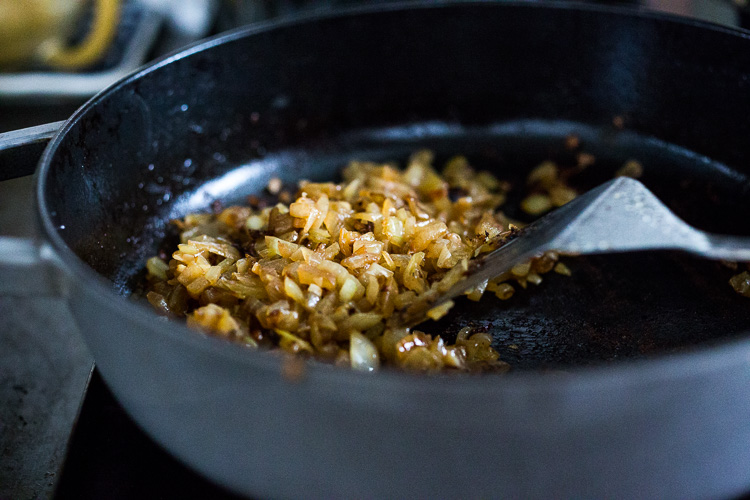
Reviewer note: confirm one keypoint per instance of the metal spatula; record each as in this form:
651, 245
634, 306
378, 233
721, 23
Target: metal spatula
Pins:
621, 215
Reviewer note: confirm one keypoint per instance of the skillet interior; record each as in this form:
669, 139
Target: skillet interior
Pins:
497, 85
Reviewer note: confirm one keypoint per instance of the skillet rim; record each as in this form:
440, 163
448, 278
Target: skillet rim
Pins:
697, 360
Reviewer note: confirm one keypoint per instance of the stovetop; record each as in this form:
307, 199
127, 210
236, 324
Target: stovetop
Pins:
110, 457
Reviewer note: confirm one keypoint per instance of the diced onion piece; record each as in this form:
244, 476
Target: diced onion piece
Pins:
476, 293
277, 246
545, 174
254, 222
363, 353
293, 290
521, 270
196, 287
157, 268
360, 322
631, 168
438, 312
455, 357
213, 318
536, 204
349, 289
561, 268
504, 291
534, 278
741, 283
292, 343
560, 195
158, 301
274, 185
372, 290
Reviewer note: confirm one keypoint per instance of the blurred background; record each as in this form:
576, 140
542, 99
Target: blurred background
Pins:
55, 54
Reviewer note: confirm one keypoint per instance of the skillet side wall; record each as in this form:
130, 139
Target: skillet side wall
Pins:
196, 117
340, 435
649, 433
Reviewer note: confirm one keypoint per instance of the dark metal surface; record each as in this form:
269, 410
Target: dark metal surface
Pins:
271, 102
110, 457
20, 150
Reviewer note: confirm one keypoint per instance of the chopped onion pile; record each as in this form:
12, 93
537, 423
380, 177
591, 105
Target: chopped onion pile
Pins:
329, 273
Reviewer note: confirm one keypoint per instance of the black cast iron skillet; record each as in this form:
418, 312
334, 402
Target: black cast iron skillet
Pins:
631, 378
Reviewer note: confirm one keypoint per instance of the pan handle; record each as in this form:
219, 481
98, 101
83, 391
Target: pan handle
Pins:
27, 265
20, 150
28, 269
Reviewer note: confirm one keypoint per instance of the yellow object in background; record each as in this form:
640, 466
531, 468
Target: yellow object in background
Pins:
36, 31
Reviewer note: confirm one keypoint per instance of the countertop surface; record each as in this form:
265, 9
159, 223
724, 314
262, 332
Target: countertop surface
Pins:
44, 369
